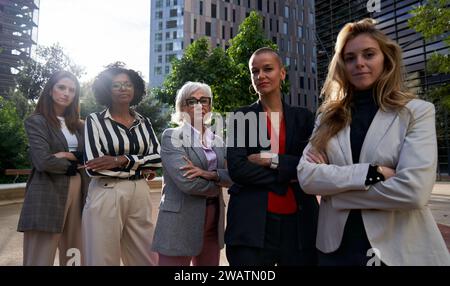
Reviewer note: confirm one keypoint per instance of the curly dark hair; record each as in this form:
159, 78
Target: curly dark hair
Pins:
103, 81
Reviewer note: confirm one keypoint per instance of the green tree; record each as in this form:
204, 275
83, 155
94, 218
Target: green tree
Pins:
36, 72
158, 112
199, 63
250, 38
432, 20
13, 142
88, 104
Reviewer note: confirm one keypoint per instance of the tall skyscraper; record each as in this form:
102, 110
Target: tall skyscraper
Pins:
288, 23
18, 33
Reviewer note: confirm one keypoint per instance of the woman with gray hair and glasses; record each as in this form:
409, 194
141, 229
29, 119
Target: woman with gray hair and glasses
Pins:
190, 223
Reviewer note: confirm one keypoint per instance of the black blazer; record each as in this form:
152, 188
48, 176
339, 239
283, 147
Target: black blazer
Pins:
246, 214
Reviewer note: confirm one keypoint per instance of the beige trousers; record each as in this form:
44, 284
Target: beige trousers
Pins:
39, 247
117, 223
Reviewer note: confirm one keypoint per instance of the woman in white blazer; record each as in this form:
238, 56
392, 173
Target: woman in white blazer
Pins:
372, 159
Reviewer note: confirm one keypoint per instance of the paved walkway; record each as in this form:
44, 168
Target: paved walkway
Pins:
11, 240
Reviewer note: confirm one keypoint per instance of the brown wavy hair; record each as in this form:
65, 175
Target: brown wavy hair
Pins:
45, 103
389, 89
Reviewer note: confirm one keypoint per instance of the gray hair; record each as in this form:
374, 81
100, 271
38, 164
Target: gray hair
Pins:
184, 93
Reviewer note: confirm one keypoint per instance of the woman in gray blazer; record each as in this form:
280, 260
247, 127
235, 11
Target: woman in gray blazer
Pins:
190, 222
372, 158
51, 212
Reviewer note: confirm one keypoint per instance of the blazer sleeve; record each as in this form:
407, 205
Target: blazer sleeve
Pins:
329, 179
287, 170
224, 178
172, 159
413, 182
39, 143
241, 170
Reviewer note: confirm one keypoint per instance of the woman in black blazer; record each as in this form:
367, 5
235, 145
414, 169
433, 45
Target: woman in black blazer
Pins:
270, 220
51, 213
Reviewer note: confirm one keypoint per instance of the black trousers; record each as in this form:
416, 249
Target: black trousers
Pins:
281, 246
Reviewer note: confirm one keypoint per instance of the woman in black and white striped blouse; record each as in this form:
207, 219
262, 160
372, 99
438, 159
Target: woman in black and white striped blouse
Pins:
120, 147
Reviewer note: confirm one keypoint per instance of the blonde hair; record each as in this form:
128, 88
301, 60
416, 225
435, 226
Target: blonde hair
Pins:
389, 90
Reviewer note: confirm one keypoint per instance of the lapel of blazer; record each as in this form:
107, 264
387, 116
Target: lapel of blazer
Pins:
378, 128
58, 134
289, 126
220, 157
191, 142
344, 142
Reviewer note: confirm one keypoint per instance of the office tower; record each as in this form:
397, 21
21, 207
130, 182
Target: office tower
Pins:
18, 34
288, 23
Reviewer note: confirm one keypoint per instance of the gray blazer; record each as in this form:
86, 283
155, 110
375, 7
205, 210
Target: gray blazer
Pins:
47, 186
396, 216
181, 218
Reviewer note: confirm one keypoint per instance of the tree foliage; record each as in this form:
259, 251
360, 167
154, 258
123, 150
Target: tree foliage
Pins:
432, 20
158, 112
35, 72
13, 139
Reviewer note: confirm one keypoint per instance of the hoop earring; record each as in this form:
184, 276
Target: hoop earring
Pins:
251, 90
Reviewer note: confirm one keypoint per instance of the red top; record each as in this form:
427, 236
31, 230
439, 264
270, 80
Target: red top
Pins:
280, 204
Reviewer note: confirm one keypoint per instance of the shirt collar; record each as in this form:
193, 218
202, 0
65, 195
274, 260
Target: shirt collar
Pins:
137, 117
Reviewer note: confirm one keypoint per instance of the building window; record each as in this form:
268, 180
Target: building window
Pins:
159, 4
208, 29
275, 7
285, 28
268, 6
231, 32
159, 14
174, 34
173, 12
171, 24
167, 70
159, 59
234, 16
201, 8
213, 11
226, 14
167, 35
195, 26
260, 5
167, 3
305, 97
158, 37
248, 4
158, 70
286, 11
160, 26
270, 24
169, 46
158, 48
302, 82
223, 32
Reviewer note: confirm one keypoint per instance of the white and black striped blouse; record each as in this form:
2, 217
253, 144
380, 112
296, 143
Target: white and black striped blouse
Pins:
104, 136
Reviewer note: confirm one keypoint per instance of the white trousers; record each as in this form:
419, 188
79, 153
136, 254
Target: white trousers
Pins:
117, 223
39, 247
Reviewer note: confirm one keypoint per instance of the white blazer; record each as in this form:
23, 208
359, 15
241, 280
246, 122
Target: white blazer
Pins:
396, 216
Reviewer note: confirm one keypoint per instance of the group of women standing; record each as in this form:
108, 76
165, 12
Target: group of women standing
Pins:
370, 156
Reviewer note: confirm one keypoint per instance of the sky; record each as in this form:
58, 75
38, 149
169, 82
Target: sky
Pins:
94, 33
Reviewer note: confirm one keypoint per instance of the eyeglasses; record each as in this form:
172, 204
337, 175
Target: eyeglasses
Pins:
203, 101
121, 85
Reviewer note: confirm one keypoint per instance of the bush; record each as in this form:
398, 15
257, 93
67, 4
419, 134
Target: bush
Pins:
13, 140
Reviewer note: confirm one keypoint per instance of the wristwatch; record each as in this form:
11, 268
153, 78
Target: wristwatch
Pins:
274, 162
